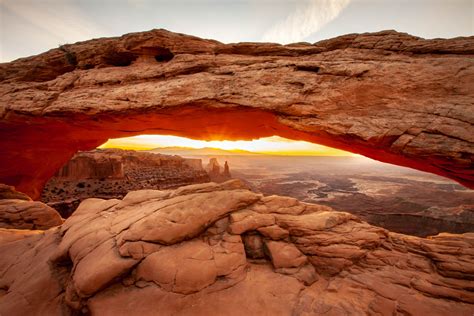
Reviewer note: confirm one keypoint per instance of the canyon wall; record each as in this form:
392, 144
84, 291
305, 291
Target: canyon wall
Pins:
390, 96
92, 166
112, 173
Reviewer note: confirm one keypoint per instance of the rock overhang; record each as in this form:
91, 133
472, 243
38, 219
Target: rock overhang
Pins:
388, 95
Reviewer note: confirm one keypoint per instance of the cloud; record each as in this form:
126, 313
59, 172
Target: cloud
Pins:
305, 21
60, 19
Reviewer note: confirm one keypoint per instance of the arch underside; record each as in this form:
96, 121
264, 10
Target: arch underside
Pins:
387, 96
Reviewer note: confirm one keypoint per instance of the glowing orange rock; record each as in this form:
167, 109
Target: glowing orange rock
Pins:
389, 96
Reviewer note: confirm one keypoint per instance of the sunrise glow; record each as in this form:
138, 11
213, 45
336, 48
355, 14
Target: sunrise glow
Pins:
274, 145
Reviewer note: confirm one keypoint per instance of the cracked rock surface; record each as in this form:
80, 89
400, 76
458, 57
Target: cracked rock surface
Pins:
18, 211
390, 96
222, 249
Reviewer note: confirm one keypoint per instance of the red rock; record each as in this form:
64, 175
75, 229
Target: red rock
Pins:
112, 173
387, 95
9, 234
185, 269
9, 192
329, 263
285, 255
24, 214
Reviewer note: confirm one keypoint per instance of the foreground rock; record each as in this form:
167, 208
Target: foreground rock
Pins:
18, 211
222, 249
9, 192
388, 95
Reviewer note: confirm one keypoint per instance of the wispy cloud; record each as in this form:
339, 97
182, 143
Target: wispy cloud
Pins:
61, 19
304, 21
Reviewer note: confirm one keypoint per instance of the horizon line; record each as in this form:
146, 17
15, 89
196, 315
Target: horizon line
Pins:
232, 152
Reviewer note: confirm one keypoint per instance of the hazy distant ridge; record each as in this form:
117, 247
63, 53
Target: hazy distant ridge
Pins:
206, 151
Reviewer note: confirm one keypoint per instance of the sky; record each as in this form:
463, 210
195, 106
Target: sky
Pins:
29, 27
273, 145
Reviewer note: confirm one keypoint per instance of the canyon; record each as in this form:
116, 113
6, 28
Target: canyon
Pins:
398, 199
222, 248
112, 173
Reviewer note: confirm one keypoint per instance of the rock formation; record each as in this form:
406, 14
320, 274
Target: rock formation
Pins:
9, 192
222, 249
214, 170
112, 173
92, 165
226, 172
18, 211
388, 95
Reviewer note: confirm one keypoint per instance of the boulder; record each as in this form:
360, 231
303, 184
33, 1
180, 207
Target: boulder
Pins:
128, 257
27, 214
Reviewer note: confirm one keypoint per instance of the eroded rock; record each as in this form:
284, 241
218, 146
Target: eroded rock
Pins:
27, 214
112, 173
390, 96
314, 260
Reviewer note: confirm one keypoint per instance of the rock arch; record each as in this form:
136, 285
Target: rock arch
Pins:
388, 95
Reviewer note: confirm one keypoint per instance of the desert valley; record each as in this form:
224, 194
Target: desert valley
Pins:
399, 199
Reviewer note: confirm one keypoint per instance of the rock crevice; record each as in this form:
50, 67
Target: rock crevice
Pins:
218, 244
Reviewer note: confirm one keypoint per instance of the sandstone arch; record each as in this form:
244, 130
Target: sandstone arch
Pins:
389, 96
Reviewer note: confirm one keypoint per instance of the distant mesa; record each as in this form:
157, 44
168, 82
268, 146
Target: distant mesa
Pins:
112, 173
93, 165
226, 172
206, 151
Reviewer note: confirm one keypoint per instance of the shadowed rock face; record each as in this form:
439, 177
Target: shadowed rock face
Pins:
389, 96
18, 211
222, 249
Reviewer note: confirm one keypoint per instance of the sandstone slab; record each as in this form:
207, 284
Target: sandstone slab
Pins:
329, 263
27, 214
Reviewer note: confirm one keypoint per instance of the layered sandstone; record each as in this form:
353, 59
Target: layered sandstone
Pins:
112, 173
18, 211
9, 192
222, 249
92, 165
388, 95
